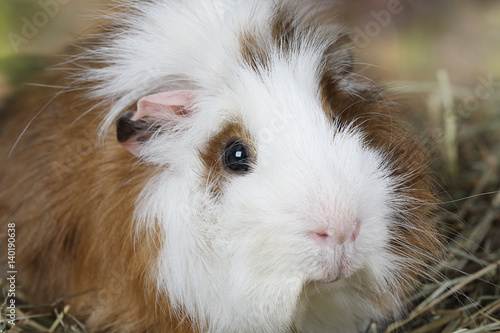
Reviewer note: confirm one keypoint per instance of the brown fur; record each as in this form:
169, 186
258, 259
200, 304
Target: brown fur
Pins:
72, 202
284, 29
284, 32
287, 34
252, 53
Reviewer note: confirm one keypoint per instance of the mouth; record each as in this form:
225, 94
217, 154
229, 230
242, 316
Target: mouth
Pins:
333, 265
342, 271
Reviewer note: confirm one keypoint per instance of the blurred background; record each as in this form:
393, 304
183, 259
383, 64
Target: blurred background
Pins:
412, 42
406, 40
440, 58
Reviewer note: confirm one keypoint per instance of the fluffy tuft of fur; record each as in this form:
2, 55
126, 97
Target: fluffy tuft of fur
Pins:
174, 241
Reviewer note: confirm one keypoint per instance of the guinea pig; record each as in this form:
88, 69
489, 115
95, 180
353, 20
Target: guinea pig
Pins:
216, 166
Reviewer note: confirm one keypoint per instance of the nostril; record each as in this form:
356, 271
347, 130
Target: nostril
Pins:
322, 238
335, 238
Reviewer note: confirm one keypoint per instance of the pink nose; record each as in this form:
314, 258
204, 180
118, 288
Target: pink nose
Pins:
333, 239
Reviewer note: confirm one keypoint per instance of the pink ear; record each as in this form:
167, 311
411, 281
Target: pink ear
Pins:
165, 104
134, 129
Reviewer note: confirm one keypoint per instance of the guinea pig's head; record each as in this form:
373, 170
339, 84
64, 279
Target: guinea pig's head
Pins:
285, 191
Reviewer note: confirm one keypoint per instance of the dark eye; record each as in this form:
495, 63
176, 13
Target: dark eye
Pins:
236, 157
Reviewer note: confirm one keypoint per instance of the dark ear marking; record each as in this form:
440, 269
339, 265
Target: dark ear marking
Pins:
126, 128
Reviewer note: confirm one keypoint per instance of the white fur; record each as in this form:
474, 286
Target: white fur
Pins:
245, 262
